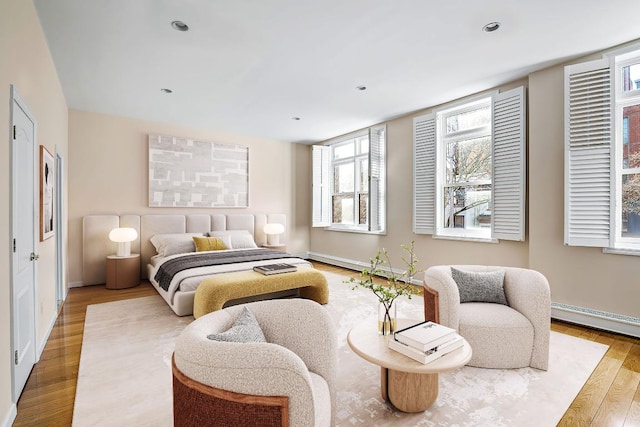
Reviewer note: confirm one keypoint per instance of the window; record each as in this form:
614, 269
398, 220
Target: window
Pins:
348, 182
465, 138
469, 169
602, 148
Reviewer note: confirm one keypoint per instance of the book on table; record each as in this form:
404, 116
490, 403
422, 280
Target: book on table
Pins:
424, 335
275, 268
454, 342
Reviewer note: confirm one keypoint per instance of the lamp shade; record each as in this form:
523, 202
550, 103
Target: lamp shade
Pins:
273, 228
124, 237
273, 231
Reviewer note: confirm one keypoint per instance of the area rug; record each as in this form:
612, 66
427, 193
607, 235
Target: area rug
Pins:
125, 375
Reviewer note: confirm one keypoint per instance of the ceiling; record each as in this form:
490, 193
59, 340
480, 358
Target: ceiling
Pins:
249, 66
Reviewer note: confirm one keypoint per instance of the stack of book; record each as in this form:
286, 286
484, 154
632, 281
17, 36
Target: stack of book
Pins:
270, 269
426, 341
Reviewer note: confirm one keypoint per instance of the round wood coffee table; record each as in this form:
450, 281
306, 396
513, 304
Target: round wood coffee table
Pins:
408, 385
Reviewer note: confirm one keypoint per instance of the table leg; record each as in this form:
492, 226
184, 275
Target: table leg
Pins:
410, 392
384, 383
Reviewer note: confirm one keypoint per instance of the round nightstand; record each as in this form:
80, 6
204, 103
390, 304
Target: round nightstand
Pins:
123, 271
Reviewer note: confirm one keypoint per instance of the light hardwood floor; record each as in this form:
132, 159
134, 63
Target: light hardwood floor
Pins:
611, 396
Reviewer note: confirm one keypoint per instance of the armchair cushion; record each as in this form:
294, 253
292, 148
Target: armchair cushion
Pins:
480, 286
244, 329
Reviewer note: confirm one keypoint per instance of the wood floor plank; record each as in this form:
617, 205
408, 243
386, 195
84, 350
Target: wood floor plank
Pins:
49, 395
633, 416
616, 404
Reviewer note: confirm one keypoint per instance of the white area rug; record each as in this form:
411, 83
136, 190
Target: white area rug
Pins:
125, 373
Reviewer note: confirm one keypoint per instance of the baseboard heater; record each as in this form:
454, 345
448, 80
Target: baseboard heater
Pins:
612, 322
596, 319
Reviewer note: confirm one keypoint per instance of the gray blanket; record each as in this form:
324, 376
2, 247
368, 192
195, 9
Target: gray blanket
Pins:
170, 268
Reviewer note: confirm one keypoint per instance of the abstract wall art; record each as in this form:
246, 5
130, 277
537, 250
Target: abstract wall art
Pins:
193, 173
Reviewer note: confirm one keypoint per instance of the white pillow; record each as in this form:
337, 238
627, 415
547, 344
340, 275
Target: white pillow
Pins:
238, 239
174, 243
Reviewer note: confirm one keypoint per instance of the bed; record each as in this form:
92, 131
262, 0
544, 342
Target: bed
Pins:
165, 241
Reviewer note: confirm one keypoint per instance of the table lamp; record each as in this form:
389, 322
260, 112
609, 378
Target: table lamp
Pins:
273, 232
124, 237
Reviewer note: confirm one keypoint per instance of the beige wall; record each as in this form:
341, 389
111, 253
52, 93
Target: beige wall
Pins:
582, 277
361, 247
26, 63
108, 174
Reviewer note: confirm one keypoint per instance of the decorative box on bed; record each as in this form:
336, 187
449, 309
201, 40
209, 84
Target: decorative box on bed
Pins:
171, 234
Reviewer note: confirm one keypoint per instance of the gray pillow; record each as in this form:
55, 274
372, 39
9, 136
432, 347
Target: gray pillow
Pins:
244, 329
481, 286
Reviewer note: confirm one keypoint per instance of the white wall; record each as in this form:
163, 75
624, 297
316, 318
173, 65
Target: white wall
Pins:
27, 64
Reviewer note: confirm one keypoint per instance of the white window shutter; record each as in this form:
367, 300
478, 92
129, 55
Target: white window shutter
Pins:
509, 165
377, 166
321, 157
587, 147
424, 174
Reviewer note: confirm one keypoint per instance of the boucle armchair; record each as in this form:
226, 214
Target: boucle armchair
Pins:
288, 380
515, 335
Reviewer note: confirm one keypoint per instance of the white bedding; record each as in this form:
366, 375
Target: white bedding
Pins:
188, 280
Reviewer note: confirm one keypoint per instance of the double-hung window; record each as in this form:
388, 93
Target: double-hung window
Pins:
602, 152
349, 182
469, 169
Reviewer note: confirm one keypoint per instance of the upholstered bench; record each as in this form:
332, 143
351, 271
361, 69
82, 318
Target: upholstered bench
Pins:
213, 293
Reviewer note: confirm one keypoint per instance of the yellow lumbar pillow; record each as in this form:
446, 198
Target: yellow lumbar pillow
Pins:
209, 244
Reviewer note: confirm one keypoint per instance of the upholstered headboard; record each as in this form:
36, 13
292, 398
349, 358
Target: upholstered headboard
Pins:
96, 245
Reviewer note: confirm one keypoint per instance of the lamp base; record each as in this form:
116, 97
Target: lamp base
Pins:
124, 249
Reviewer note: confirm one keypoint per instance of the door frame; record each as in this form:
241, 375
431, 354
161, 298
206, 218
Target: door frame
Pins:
13, 216
61, 290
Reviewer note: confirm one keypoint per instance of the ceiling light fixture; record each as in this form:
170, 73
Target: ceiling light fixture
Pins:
295, 118
491, 27
180, 26
361, 87
165, 90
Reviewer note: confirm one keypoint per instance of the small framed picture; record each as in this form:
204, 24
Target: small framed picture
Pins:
46, 193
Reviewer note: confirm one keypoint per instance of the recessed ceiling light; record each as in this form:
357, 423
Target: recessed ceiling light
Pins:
180, 26
165, 90
361, 87
491, 27
295, 118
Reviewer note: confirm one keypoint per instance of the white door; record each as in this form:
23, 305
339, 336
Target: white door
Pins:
24, 226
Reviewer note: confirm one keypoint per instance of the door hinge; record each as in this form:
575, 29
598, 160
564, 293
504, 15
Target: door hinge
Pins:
14, 246
15, 357
14, 131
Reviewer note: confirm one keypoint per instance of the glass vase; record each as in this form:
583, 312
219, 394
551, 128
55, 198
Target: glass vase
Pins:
386, 317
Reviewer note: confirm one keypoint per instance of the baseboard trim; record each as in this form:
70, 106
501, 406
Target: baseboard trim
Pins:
337, 261
11, 416
353, 264
42, 345
611, 322
75, 285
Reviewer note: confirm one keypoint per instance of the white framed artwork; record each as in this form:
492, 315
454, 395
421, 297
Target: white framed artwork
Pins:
194, 173
47, 168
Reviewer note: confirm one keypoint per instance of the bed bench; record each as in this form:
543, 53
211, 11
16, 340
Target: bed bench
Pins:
213, 293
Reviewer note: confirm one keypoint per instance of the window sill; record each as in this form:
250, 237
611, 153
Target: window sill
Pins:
466, 238
353, 230
621, 251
